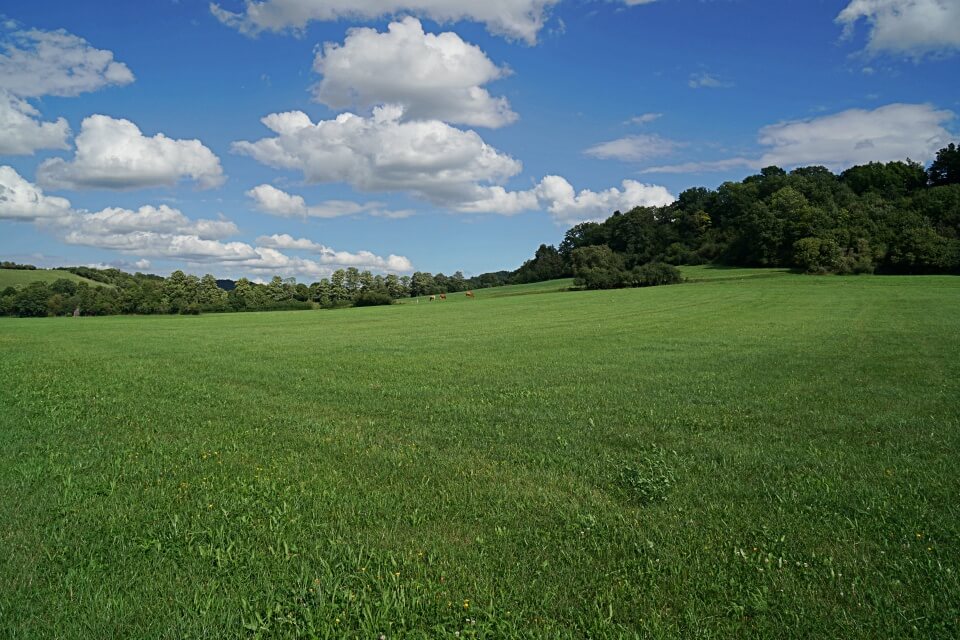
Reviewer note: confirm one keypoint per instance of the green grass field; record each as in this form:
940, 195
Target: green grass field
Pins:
759, 457
19, 277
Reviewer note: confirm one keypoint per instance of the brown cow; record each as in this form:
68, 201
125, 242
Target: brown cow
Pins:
470, 295
443, 296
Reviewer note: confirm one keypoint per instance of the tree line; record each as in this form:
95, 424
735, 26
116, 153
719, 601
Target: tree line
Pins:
889, 218
117, 292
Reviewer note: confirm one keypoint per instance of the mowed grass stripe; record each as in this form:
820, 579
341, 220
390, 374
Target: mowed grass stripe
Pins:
766, 457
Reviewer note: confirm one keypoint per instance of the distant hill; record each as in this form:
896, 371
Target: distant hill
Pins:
19, 277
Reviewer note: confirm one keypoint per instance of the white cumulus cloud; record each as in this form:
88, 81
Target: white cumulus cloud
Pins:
23, 200
433, 76
21, 133
276, 202
908, 27
858, 136
841, 140
39, 63
565, 205
162, 219
330, 257
166, 233
429, 159
517, 19
114, 154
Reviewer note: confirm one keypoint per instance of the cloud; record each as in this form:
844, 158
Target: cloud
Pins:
841, 140
645, 118
706, 166
496, 199
858, 136
162, 219
909, 27
705, 80
22, 200
22, 134
114, 154
516, 19
331, 257
166, 233
429, 159
432, 76
568, 207
268, 199
558, 197
164, 245
634, 148
39, 63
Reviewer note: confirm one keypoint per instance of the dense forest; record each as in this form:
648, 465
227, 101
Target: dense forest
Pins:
890, 218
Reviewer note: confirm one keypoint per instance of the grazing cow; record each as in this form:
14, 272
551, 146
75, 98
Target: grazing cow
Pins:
443, 296
432, 298
470, 295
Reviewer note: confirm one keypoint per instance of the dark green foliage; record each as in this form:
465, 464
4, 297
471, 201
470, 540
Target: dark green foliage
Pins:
816, 255
599, 267
547, 264
31, 301
6, 264
890, 180
373, 299
946, 168
877, 217
654, 274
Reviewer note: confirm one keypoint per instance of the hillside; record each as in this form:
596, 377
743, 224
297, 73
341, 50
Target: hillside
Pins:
20, 277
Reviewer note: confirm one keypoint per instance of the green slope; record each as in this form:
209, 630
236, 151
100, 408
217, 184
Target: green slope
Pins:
19, 277
761, 457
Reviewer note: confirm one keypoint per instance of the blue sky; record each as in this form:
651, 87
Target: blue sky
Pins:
441, 135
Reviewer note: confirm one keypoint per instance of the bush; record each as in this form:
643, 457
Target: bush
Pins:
648, 275
373, 299
654, 274
817, 255
599, 278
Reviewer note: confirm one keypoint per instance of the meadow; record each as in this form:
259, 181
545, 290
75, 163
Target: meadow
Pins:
747, 455
20, 277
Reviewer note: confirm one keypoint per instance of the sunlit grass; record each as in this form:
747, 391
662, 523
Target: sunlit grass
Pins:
19, 277
755, 457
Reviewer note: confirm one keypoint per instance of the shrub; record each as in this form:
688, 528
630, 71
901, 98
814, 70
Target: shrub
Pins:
600, 278
654, 274
817, 255
373, 299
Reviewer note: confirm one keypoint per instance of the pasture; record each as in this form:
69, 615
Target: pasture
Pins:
19, 277
738, 457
